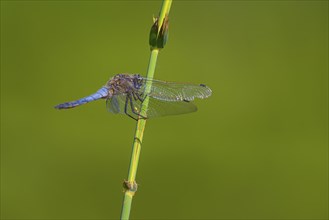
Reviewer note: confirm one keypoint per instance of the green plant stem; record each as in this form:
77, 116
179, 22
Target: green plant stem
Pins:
165, 8
131, 185
137, 143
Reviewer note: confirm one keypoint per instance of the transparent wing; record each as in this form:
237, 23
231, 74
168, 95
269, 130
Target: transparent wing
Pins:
124, 104
156, 108
116, 104
171, 91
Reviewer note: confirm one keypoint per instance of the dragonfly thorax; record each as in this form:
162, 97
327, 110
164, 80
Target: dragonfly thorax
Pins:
124, 83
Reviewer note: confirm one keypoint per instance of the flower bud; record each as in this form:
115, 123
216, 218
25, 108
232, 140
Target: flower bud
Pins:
159, 35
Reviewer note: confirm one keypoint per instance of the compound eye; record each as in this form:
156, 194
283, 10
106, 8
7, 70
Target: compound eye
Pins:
140, 81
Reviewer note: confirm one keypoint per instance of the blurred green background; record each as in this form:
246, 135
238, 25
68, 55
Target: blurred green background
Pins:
256, 149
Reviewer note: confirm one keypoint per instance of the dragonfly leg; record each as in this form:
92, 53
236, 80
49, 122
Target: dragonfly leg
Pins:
135, 96
140, 98
126, 107
134, 110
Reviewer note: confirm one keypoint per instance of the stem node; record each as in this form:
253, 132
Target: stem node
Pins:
130, 186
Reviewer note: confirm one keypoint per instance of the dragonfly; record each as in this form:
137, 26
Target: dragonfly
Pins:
125, 94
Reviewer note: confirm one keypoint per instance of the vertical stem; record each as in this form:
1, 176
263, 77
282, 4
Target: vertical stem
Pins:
131, 185
137, 143
141, 123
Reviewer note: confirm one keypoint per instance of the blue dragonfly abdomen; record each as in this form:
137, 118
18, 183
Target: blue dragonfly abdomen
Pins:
101, 93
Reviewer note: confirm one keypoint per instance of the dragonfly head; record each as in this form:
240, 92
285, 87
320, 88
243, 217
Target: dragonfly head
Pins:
138, 81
